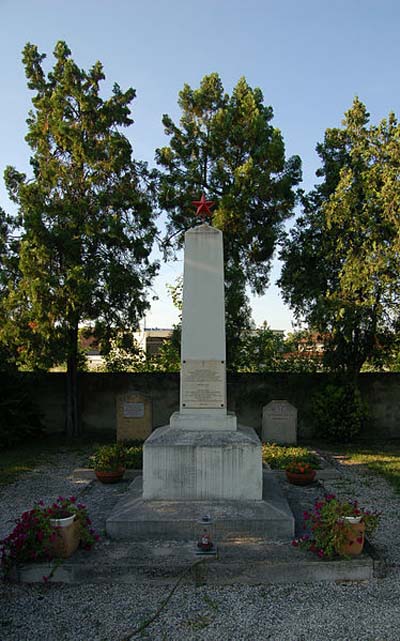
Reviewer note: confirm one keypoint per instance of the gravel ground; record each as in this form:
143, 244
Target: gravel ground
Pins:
315, 612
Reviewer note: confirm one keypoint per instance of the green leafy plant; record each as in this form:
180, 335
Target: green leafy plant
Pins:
33, 536
108, 458
134, 455
278, 457
328, 528
338, 412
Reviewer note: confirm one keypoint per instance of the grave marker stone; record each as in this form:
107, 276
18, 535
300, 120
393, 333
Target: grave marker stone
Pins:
279, 423
134, 416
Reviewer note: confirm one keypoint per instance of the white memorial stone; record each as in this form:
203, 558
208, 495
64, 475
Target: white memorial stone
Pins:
279, 423
203, 454
203, 355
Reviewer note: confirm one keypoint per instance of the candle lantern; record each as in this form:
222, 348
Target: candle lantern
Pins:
206, 538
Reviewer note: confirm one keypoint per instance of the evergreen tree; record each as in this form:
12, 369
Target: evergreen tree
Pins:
227, 148
85, 218
341, 264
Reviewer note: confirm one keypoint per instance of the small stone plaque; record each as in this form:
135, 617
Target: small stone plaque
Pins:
134, 416
279, 423
133, 410
203, 384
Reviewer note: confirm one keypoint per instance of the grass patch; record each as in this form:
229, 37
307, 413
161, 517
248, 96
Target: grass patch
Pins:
21, 459
383, 460
278, 457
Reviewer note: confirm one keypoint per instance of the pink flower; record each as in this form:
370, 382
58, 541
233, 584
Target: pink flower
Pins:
321, 553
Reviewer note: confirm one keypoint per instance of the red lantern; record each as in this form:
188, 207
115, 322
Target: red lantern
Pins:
205, 544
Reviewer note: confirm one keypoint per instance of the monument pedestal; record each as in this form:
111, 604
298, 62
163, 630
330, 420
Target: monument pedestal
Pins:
196, 465
204, 420
202, 462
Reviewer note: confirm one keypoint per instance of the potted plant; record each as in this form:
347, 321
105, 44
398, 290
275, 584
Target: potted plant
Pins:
48, 532
337, 527
109, 462
300, 473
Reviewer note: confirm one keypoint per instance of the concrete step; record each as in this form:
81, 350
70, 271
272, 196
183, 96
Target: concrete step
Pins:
136, 519
164, 562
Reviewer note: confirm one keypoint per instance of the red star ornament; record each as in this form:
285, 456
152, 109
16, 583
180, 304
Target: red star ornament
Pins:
203, 207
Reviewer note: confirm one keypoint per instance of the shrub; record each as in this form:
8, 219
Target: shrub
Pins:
338, 413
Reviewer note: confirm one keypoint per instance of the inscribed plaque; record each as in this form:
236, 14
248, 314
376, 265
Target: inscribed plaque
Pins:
133, 410
203, 384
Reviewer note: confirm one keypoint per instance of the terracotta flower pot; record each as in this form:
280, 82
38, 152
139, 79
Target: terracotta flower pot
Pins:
110, 477
301, 479
67, 540
354, 544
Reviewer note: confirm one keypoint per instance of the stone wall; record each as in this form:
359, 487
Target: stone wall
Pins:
247, 394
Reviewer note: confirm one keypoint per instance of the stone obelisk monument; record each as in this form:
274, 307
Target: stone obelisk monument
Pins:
203, 454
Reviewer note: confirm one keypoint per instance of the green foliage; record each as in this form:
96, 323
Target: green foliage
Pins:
123, 354
341, 263
328, 526
168, 357
108, 458
260, 350
20, 419
338, 413
128, 454
85, 219
278, 457
134, 455
226, 147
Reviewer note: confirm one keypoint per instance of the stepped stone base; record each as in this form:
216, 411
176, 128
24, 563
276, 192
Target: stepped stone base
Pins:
201, 466
136, 519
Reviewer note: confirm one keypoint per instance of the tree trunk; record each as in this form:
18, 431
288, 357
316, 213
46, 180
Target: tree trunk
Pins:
72, 418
